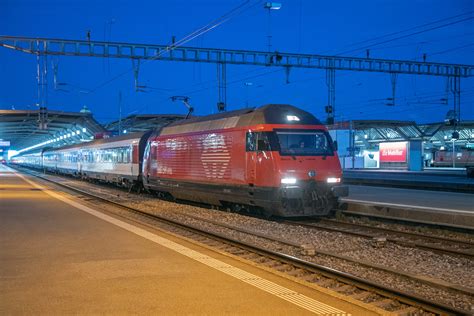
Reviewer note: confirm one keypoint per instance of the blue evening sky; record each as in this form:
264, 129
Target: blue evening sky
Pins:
306, 26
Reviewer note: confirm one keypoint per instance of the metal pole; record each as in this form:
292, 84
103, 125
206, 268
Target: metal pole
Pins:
269, 30
454, 160
331, 84
221, 87
120, 113
352, 144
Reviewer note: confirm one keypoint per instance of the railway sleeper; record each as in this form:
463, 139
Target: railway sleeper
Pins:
345, 288
385, 303
327, 283
409, 310
362, 295
313, 277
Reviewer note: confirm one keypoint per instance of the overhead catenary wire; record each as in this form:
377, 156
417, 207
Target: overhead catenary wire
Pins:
405, 30
452, 49
206, 27
406, 36
380, 37
202, 30
464, 35
409, 29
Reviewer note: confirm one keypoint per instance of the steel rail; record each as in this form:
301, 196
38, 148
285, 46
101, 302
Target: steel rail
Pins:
467, 253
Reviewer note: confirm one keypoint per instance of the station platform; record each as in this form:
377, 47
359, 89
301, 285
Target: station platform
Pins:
429, 179
454, 209
61, 256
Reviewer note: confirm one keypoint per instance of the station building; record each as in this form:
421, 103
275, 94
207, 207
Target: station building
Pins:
406, 145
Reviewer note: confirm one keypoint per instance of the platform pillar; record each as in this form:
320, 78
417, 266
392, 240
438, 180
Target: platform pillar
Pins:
415, 155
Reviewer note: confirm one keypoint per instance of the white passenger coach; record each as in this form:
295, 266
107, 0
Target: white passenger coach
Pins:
114, 160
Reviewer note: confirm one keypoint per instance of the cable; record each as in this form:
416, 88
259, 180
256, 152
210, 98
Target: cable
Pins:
407, 35
450, 50
409, 29
424, 42
208, 27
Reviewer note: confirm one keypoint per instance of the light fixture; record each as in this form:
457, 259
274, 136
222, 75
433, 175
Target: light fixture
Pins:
292, 118
272, 5
78, 132
333, 180
366, 136
288, 180
84, 130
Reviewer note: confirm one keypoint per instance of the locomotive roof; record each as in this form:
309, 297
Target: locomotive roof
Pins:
267, 114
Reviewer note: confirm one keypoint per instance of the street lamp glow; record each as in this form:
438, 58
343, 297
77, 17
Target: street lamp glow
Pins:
272, 5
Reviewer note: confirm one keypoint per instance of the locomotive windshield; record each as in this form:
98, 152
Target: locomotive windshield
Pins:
304, 143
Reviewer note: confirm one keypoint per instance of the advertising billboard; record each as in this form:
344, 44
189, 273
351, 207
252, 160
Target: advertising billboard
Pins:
393, 152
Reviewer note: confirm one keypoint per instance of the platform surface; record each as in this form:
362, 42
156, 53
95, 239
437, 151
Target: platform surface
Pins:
437, 200
432, 179
56, 258
441, 208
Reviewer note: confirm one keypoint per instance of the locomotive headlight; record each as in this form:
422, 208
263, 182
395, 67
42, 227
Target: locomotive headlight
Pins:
333, 180
288, 181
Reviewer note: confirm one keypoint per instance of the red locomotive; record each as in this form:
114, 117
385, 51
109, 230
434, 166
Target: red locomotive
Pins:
277, 159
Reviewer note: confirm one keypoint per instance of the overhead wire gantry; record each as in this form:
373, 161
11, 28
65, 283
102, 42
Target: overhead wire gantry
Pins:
223, 57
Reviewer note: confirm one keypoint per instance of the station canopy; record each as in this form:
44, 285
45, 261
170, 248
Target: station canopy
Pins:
367, 132
142, 123
34, 129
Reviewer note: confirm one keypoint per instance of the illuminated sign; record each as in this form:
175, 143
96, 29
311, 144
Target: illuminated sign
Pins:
393, 152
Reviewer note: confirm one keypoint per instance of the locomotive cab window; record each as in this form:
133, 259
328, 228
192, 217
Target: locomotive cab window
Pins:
261, 141
251, 141
305, 142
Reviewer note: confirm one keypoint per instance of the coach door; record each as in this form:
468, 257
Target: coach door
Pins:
146, 163
251, 157
134, 153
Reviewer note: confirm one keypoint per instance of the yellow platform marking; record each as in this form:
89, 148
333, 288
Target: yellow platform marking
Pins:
293, 297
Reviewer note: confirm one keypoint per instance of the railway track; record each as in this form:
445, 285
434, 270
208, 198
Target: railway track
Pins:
345, 284
381, 235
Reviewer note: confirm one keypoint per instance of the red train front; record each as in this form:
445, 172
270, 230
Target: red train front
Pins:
277, 159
